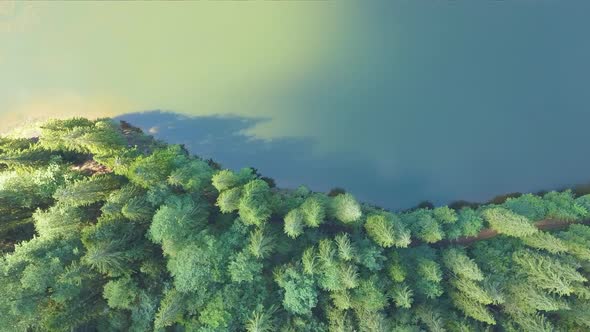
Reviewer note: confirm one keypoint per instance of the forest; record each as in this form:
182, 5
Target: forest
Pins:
104, 228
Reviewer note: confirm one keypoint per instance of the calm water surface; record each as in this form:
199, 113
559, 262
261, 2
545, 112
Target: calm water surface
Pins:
395, 101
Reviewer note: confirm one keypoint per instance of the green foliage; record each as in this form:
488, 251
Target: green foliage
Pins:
136, 235
429, 270
546, 241
345, 208
214, 314
137, 209
380, 229
254, 206
261, 320
445, 215
196, 268
229, 200
29, 189
88, 190
309, 261
294, 222
113, 246
584, 201
402, 296
313, 211
154, 169
387, 231
175, 222
300, 293
346, 251
563, 206
28, 158
423, 224
468, 223
368, 296
509, 223
460, 264
397, 272
58, 220
527, 205
104, 137
82, 135
194, 175
261, 244
555, 276
120, 293
472, 308
529, 299
244, 268
171, 308
226, 179
576, 239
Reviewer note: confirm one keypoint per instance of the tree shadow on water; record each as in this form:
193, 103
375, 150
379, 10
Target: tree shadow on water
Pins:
289, 161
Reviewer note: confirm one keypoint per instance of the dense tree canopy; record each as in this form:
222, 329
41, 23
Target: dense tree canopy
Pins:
103, 228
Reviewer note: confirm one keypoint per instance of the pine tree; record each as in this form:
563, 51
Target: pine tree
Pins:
381, 230
261, 245
545, 272
294, 222
345, 208
313, 211
88, 190
229, 200
506, 222
254, 206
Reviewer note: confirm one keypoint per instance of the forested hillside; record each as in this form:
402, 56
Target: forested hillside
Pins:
103, 228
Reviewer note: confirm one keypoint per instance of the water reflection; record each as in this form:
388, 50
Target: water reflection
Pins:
290, 161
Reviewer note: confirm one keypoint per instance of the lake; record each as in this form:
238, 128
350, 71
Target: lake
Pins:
397, 102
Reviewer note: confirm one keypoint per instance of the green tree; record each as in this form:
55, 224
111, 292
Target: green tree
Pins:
120, 293
226, 179
460, 264
345, 208
87, 191
244, 268
445, 215
545, 272
528, 205
255, 206
469, 223
387, 231
177, 221
300, 293
294, 222
261, 320
154, 169
194, 175
507, 222
313, 211
261, 245
229, 200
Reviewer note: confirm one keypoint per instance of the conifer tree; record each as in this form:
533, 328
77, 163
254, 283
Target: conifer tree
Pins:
254, 206
294, 222
345, 208
88, 190
509, 223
